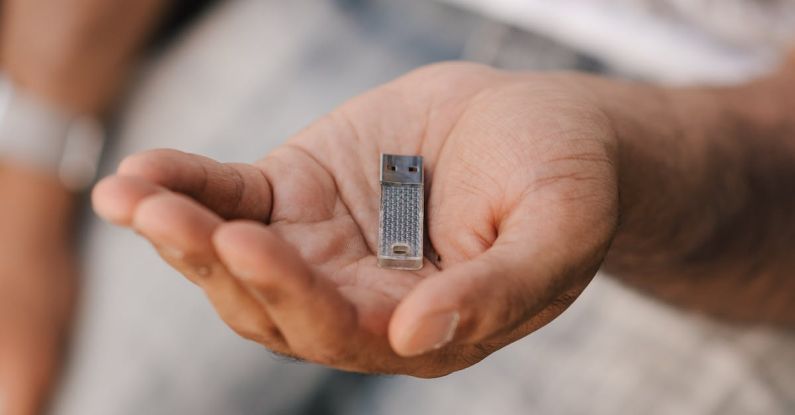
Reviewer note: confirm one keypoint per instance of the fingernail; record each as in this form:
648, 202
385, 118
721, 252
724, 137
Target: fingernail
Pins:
432, 333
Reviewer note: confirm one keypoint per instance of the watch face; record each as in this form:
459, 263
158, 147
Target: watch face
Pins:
43, 137
5, 97
82, 152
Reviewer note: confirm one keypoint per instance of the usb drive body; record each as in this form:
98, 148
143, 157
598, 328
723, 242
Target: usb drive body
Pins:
401, 213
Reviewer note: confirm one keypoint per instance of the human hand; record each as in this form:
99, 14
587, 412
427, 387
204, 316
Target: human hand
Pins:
37, 287
522, 204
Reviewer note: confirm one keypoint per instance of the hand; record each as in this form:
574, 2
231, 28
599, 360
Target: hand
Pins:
521, 208
37, 287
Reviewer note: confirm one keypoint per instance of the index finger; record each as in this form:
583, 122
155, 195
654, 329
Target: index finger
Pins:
231, 190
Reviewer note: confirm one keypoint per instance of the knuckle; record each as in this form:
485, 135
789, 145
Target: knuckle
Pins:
199, 270
272, 335
252, 326
267, 335
233, 202
247, 333
193, 266
333, 355
266, 288
514, 301
271, 295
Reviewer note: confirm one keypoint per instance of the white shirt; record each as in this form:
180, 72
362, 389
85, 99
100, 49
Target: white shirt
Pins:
674, 41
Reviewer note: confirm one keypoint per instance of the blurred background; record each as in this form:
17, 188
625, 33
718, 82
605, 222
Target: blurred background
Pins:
233, 79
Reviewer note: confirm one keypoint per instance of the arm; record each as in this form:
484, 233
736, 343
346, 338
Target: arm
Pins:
73, 55
706, 188
82, 59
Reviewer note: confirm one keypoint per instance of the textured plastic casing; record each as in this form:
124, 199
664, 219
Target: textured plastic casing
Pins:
401, 213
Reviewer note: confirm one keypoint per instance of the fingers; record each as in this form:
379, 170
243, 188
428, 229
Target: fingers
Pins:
316, 320
232, 190
115, 198
181, 229
142, 196
522, 284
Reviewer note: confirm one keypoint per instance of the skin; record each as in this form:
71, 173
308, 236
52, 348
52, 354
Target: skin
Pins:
532, 181
708, 223
37, 285
561, 156
78, 64
81, 61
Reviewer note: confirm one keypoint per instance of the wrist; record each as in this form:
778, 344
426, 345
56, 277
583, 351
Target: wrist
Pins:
708, 213
49, 138
701, 170
36, 204
674, 160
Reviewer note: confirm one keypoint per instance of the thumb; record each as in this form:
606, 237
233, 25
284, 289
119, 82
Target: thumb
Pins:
505, 288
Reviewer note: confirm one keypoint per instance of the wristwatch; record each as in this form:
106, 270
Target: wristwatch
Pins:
42, 136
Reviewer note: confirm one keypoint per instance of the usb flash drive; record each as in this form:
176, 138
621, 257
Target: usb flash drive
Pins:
401, 213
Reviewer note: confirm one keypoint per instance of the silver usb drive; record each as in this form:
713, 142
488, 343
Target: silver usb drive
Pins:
401, 214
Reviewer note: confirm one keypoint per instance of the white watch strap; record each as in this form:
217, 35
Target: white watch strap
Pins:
39, 135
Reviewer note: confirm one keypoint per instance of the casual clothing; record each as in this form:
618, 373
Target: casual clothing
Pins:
677, 41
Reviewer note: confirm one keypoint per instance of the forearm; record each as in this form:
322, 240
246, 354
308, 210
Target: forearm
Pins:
75, 54
707, 203
36, 207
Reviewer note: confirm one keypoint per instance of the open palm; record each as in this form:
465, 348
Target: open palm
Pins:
521, 207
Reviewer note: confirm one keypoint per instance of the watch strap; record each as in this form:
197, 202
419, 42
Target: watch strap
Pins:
44, 137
